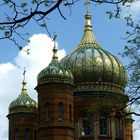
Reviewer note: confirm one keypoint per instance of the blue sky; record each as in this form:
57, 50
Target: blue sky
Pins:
109, 34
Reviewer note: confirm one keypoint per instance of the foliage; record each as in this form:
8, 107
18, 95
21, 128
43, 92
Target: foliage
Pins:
132, 52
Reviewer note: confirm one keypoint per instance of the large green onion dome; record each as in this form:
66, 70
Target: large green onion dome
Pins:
93, 67
55, 72
23, 103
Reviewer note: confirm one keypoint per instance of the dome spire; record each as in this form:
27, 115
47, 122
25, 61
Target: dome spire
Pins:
88, 25
55, 57
23, 103
54, 48
88, 36
24, 72
87, 3
24, 89
55, 72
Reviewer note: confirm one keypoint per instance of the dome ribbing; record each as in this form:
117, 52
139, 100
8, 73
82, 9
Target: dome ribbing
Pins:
92, 66
23, 103
55, 72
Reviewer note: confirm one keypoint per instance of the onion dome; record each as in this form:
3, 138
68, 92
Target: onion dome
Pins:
55, 72
92, 66
23, 103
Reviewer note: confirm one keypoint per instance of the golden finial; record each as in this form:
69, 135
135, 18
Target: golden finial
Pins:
24, 83
88, 25
87, 3
55, 36
54, 48
24, 72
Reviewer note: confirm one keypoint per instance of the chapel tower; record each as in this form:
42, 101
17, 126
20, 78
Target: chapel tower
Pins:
99, 96
55, 100
23, 116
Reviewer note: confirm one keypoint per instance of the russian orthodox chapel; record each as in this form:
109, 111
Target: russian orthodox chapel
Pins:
82, 97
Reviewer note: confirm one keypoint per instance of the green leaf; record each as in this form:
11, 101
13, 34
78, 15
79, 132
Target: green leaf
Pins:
2, 27
8, 18
23, 4
43, 25
125, 47
127, 32
129, 41
33, 1
20, 48
7, 33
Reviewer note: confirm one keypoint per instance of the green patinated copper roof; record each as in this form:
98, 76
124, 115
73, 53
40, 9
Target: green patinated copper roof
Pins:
55, 72
23, 103
89, 62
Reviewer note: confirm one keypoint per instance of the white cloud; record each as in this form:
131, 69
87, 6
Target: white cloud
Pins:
136, 134
136, 125
11, 74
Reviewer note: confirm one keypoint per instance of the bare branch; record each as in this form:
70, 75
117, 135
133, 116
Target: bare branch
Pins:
32, 14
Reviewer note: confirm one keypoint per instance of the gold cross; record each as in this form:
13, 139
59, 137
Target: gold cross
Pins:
87, 3
55, 36
24, 73
54, 48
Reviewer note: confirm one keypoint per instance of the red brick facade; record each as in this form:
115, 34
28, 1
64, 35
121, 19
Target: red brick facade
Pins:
55, 127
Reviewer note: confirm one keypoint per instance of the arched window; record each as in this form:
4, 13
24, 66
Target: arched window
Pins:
86, 124
118, 127
16, 134
70, 112
103, 122
26, 134
60, 111
48, 109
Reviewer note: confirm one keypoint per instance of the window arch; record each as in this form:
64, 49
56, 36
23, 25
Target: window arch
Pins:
48, 110
103, 124
16, 134
26, 134
86, 124
60, 111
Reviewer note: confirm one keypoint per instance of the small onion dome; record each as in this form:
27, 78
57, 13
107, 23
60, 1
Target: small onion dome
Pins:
55, 72
23, 103
91, 65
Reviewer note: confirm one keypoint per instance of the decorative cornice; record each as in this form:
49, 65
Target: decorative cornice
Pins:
99, 86
105, 98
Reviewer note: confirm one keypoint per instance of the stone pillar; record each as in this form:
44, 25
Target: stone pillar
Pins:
76, 129
112, 125
96, 129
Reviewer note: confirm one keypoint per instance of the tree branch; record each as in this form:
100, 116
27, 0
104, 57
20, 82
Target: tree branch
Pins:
32, 14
